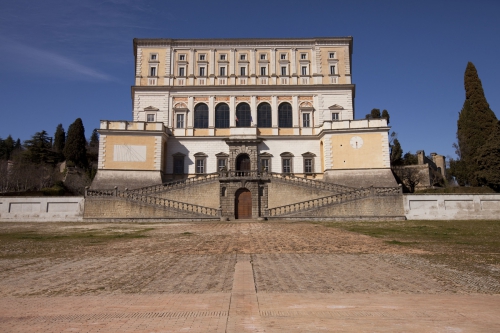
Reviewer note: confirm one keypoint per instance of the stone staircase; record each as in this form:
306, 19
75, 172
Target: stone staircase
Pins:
336, 199
148, 199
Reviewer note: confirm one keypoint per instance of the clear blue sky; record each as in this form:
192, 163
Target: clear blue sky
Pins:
64, 59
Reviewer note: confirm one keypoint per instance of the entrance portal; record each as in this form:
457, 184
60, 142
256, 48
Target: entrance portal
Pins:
243, 204
243, 164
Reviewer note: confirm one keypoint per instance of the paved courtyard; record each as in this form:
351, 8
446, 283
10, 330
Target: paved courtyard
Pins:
231, 277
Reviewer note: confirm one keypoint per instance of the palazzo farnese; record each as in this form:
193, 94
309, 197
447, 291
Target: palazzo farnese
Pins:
245, 128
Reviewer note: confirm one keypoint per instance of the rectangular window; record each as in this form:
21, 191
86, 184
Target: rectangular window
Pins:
242, 71
263, 71
200, 165
182, 57
154, 56
150, 117
303, 56
335, 116
202, 71
264, 164
221, 164
308, 165
181, 71
222, 71
178, 165
202, 57
152, 71
304, 70
222, 57
332, 55
243, 56
306, 121
263, 56
287, 165
332, 70
180, 121
283, 56
283, 70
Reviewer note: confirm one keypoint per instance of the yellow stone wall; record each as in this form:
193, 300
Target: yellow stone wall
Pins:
146, 52
222, 131
112, 140
325, 65
368, 156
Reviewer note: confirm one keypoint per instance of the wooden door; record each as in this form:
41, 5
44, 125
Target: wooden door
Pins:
243, 204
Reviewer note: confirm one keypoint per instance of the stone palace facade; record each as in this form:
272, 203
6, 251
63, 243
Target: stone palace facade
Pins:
248, 112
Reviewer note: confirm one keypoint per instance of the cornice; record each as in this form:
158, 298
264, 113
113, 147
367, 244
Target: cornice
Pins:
245, 89
243, 42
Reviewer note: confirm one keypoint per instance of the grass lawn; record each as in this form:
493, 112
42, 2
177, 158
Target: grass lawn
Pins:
472, 245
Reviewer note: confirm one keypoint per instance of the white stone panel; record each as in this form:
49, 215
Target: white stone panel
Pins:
129, 153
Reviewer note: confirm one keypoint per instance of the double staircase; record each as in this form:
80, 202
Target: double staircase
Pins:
340, 194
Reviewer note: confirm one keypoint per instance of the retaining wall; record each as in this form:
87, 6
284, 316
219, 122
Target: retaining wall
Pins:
41, 209
451, 206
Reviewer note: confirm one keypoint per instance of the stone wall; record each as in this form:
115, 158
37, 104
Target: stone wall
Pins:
203, 194
41, 209
282, 193
117, 208
381, 206
451, 206
361, 177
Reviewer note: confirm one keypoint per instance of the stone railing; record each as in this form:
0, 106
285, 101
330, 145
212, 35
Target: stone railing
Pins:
101, 193
176, 184
333, 199
319, 184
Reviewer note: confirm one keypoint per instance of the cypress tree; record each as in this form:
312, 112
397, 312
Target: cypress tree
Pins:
75, 149
59, 139
475, 123
385, 114
396, 153
488, 160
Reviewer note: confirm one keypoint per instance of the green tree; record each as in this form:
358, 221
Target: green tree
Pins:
59, 139
476, 121
93, 151
385, 114
396, 153
375, 113
75, 149
39, 149
488, 161
410, 159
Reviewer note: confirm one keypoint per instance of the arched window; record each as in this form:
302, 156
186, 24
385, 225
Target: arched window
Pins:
222, 116
243, 115
264, 117
285, 115
201, 116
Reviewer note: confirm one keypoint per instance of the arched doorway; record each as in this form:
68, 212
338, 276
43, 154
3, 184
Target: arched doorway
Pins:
243, 204
242, 164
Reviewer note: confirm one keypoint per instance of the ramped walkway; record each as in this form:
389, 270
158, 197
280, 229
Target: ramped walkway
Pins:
245, 310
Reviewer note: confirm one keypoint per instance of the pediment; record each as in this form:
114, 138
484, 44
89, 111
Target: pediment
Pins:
286, 154
151, 108
309, 154
266, 154
336, 107
200, 154
221, 154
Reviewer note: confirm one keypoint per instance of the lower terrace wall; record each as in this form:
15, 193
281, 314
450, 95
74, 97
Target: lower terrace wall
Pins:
452, 206
41, 209
117, 208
